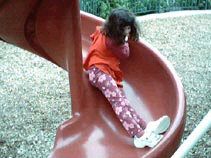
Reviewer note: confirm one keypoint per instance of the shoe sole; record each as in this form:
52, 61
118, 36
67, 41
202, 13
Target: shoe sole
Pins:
137, 145
163, 125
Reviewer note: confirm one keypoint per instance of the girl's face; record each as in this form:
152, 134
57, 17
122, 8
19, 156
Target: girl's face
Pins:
127, 30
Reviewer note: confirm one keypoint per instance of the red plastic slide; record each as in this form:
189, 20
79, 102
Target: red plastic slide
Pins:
55, 30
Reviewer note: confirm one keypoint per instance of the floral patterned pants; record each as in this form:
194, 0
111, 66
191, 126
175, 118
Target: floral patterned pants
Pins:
130, 120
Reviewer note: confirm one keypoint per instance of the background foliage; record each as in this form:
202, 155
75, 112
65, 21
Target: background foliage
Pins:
103, 7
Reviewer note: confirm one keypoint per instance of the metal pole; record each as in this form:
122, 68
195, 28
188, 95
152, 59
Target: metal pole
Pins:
192, 139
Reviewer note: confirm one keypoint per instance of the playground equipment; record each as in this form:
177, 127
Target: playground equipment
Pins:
58, 32
192, 139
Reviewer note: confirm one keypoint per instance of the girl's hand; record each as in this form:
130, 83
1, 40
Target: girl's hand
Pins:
126, 38
121, 51
127, 30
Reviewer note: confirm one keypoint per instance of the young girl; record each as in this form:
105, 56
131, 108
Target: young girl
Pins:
109, 46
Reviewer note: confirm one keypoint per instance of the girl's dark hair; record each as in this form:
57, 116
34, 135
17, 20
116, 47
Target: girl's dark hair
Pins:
115, 23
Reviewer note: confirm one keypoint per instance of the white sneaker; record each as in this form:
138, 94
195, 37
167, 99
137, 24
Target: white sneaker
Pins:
159, 126
148, 139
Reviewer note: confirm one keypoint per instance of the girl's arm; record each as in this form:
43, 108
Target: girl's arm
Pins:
121, 51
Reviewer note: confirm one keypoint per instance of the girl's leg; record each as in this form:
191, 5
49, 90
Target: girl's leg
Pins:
118, 101
138, 119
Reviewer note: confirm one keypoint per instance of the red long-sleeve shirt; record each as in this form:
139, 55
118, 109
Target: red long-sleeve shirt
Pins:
105, 55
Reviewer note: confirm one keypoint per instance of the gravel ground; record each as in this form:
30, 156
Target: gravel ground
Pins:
33, 104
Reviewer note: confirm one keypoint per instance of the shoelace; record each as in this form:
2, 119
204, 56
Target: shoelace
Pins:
151, 136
